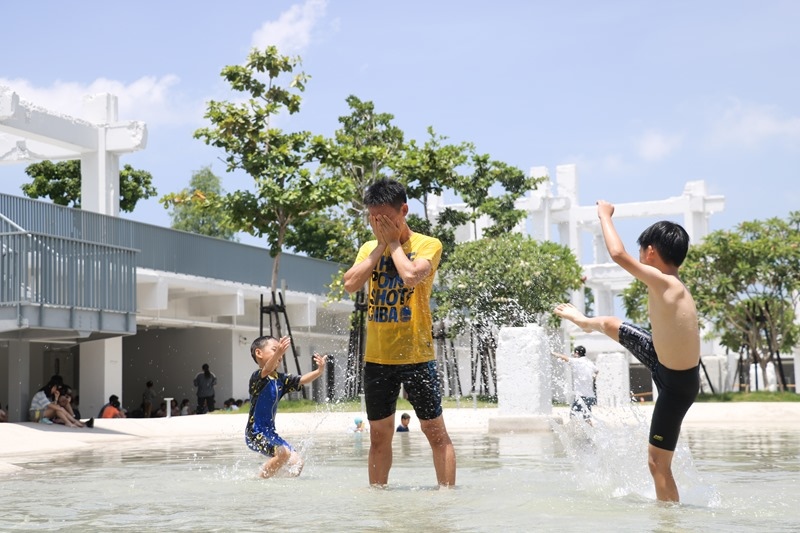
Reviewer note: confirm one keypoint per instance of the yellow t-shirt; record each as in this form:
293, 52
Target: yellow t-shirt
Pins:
399, 318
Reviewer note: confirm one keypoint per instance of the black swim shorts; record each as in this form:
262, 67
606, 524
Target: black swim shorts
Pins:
677, 389
420, 381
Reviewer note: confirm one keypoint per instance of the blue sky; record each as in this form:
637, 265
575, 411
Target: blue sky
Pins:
643, 96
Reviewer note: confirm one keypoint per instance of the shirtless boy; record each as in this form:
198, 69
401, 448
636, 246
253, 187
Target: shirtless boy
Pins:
672, 350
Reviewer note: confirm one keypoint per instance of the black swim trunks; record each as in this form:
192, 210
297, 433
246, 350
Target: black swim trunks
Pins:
420, 381
677, 389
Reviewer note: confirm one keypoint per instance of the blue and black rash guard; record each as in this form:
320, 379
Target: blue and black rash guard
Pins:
260, 435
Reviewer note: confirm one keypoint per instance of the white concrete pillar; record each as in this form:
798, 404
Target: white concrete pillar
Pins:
100, 169
524, 372
796, 368
613, 382
100, 373
19, 377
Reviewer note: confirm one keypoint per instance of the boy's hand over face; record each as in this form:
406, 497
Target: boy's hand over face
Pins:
604, 209
374, 222
390, 229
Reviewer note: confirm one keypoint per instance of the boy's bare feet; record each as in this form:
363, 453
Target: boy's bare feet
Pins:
571, 313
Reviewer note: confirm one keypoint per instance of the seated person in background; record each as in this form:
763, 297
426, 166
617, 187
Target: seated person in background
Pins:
137, 413
64, 400
3, 415
55, 410
186, 409
43, 398
111, 399
76, 410
175, 408
404, 421
161, 411
112, 410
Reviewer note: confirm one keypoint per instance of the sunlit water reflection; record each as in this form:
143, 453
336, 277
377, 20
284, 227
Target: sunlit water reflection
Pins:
574, 479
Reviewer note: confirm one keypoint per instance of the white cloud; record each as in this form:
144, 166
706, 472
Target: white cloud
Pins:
654, 146
149, 99
291, 33
750, 125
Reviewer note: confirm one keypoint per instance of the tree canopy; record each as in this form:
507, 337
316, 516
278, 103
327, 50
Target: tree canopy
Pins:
202, 217
282, 164
507, 280
61, 182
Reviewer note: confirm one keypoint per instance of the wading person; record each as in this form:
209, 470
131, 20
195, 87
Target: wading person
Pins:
672, 350
399, 267
584, 373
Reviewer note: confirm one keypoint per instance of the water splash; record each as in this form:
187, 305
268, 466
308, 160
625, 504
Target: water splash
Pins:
609, 457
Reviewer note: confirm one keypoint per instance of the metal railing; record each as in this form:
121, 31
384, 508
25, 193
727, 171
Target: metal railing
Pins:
42, 269
168, 250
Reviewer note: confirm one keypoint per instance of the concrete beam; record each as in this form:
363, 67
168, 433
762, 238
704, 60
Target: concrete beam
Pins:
217, 305
26, 120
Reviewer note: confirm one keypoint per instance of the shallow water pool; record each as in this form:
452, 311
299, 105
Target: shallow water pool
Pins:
574, 479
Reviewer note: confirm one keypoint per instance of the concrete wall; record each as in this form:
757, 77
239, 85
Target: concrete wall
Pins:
171, 358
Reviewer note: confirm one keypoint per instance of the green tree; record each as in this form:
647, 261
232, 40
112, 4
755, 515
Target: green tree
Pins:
282, 164
508, 280
359, 153
204, 217
746, 284
475, 189
432, 169
61, 182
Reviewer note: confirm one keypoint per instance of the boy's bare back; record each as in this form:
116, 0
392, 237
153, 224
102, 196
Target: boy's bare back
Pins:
673, 318
673, 315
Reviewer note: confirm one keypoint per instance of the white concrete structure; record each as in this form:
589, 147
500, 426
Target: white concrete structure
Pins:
183, 320
97, 139
524, 380
554, 213
613, 381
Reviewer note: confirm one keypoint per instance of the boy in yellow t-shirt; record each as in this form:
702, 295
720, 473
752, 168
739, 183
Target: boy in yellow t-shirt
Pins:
399, 267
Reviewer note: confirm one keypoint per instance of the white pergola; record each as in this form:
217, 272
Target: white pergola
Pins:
29, 133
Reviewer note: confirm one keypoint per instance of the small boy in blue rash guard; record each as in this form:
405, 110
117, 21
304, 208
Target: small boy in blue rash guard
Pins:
267, 387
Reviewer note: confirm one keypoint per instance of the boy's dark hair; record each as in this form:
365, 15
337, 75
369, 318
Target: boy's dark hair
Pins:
259, 344
669, 239
580, 351
385, 192
149, 383
405, 415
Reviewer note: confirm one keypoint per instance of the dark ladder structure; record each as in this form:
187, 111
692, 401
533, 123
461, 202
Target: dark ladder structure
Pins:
276, 310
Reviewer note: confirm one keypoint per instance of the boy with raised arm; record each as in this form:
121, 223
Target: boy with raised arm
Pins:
672, 350
267, 387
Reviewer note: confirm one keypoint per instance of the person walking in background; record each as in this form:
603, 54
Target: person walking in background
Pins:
267, 386
205, 382
399, 266
148, 396
672, 350
584, 373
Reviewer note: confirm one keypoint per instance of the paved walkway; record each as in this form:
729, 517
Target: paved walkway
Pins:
27, 441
